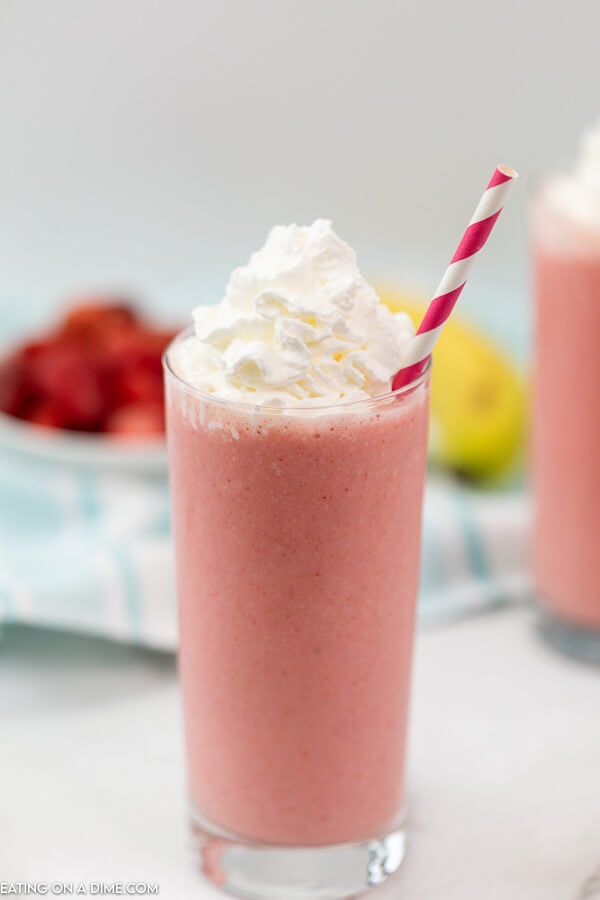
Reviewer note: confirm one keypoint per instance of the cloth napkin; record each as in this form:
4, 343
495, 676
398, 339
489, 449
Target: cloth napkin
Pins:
91, 550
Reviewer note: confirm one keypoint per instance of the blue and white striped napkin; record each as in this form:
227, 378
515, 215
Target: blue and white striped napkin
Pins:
86, 550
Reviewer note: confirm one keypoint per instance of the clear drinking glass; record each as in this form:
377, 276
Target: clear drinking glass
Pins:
566, 432
297, 540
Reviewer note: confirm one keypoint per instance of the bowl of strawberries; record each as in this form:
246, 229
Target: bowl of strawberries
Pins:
89, 389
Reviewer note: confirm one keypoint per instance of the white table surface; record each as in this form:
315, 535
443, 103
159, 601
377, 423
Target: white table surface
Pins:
504, 766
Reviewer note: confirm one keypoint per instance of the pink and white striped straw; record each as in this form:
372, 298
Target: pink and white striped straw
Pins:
455, 277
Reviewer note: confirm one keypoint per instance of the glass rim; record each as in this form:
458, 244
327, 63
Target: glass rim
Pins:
349, 405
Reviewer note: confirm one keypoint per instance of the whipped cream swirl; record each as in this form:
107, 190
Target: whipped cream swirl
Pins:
577, 193
298, 326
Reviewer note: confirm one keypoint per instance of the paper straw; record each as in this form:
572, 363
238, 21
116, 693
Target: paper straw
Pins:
455, 277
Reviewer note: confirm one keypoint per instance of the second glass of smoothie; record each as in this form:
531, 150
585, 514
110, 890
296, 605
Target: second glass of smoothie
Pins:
297, 528
566, 447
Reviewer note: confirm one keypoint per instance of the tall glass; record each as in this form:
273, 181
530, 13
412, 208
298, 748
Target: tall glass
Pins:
566, 445
297, 537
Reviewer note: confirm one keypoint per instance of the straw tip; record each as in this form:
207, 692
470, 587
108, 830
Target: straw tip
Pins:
508, 171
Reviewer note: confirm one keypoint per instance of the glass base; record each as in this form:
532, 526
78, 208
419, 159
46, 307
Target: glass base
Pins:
258, 871
571, 640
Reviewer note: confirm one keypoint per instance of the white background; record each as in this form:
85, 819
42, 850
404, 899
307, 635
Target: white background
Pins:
151, 145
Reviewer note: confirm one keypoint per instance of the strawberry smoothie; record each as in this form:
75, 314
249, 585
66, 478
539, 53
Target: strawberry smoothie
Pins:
297, 478
298, 559
566, 450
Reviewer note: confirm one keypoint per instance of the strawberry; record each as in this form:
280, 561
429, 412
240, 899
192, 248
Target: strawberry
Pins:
11, 384
67, 377
93, 321
100, 370
137, 420
46, 415
136, 384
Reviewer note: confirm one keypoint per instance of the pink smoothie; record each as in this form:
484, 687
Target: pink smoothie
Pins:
297, 542
566, 450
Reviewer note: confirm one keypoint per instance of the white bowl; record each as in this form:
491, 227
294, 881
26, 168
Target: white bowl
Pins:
146, 456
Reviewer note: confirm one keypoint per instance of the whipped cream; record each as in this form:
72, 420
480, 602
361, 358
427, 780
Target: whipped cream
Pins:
298, 326
577, 193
